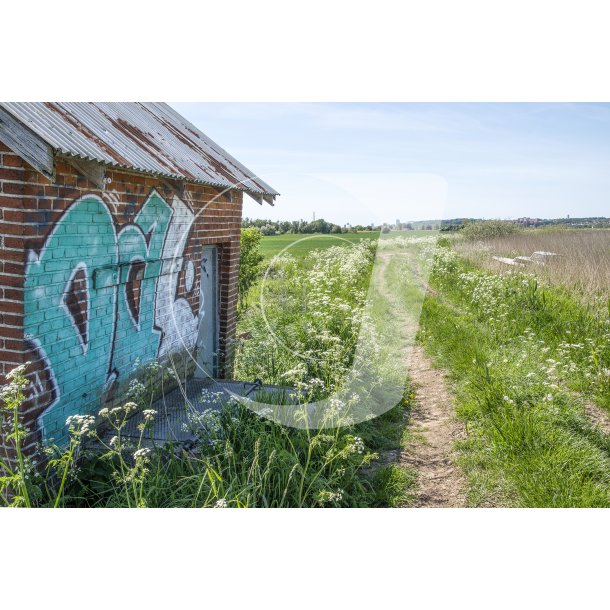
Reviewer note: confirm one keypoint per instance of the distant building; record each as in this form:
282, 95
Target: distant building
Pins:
529, 222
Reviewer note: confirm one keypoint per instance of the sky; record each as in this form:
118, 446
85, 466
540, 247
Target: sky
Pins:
363, 163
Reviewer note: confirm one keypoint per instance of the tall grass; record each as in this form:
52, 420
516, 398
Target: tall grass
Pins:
239, 460
525, 359
582, 267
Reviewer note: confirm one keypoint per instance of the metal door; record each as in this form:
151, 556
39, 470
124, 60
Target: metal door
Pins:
207, 336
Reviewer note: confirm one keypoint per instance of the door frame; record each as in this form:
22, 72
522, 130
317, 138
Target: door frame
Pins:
208, 267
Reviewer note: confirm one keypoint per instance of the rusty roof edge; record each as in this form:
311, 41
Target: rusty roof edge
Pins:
129, 169
256, 194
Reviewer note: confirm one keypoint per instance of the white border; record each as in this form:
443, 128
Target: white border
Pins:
337, 558
318, 51
441, 50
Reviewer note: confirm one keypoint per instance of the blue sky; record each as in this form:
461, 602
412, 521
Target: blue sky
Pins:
363, 163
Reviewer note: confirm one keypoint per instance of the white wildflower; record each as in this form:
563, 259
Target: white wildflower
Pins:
141, 454
80, 425
149, 414
357, 445
130, 407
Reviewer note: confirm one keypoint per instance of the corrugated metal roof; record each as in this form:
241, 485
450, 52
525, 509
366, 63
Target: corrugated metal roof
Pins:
147, 137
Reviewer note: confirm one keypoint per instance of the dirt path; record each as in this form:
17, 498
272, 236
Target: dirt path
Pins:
434, 430
597, 415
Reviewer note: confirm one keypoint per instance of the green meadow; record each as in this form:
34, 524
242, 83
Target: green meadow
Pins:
274, 244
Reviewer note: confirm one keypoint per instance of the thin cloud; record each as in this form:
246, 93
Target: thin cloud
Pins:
497, 159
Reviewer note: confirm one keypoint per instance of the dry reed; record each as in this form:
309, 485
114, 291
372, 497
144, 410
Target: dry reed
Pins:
583, 264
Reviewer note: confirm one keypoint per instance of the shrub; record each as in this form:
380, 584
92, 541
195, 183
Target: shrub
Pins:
316, 308
488, 229
443, 242
250, 260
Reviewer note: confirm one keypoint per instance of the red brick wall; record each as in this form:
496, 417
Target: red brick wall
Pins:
12, 265
12, 260
35, 215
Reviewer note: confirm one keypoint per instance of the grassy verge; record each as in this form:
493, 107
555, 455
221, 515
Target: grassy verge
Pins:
305, 336
524, 359
392, 484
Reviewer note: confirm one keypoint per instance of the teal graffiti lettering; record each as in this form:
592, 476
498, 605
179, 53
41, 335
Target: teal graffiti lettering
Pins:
81, 350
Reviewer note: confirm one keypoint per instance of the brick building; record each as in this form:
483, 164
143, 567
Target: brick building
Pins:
119, 236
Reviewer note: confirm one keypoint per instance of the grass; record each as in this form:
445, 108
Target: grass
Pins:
393, 484
315, 306
272, 245
524, 360
240, 460
526, 350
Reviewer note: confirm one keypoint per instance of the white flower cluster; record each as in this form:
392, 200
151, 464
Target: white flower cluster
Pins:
81, 425
327, 496
118, 412
149, 415
357, 445
136, 389
317, 310
402, 242
141, 454
442, 261
207, 425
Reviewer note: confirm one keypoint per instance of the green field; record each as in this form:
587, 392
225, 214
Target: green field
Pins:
274, 244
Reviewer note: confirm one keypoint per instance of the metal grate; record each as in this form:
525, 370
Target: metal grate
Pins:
194, 396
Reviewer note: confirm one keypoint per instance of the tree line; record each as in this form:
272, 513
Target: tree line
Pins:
280, 227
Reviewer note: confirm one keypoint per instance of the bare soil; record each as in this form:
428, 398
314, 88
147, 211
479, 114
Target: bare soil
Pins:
598, 416
435, 430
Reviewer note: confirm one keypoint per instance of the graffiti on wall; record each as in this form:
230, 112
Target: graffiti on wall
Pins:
98, 299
